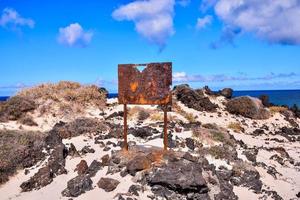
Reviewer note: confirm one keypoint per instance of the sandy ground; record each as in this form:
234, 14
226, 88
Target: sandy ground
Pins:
287, 184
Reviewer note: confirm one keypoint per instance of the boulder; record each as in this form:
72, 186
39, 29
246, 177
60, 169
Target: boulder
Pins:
226, 92
94, 167
180, 175
248, 107
108, 184
78, 186
193, 98
138, 163
43, 177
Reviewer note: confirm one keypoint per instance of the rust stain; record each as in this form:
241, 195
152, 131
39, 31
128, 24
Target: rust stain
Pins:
150, 86
133, 86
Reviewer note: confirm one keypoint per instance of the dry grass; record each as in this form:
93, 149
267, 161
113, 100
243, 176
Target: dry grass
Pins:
277, 109
189, 116
211, 136
236, 127
65, 97
139, 112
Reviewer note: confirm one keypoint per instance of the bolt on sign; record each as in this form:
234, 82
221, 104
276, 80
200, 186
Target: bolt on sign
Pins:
150, 86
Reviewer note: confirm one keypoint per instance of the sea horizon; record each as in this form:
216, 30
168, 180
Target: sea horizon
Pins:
282, 97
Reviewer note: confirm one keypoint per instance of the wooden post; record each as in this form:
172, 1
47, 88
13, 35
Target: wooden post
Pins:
125, 128
165, 128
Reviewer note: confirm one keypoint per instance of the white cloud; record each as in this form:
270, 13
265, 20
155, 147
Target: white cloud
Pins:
153, 19
203, 22
11, 19
184, 3
183, 77
276, 21
179, 76
74, 35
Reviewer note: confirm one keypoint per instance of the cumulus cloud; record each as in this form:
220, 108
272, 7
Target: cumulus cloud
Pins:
13, 20
203, 22
183, 77
74, 36
153, 19
275, 21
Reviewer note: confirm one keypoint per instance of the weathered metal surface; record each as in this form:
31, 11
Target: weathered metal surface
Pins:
150, 86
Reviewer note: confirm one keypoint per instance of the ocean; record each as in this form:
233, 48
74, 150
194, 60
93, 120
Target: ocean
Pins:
278, 97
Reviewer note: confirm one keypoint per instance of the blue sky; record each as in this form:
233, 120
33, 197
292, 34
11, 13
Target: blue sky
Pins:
220, 43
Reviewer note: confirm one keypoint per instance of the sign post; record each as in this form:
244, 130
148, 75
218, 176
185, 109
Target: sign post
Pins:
151, 86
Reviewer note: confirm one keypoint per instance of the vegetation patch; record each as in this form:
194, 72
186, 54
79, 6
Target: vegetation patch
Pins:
236, 127
19, 150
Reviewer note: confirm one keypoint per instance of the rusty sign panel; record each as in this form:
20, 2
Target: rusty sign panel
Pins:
150, 86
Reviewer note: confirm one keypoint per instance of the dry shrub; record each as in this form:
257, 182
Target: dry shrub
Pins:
189, 116
139, 112
236, 127
212, 135
19, 149
15, 108
277, 109
69, 97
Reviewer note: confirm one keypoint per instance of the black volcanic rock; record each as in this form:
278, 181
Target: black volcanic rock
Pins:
78, 186
193, 98
226, 92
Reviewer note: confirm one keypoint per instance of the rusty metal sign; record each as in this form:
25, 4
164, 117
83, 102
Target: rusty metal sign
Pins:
149, 86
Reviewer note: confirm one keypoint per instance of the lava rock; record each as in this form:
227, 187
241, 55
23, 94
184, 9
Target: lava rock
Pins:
193, 98
78, 186
182, 176
138, 163
190, 143
226, 92
108, 184
82, 167
94, 167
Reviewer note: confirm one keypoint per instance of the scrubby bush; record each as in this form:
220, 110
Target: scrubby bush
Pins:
65, 97
19, 149
277, 109
15, 108
236, 127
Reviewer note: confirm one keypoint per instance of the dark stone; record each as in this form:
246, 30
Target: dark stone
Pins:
73, 151
251, 154
43, 177
108, 184
226, 92
105, 160
190, 143
142, 132
115, 115
181, 176
82, 167
251, 179
193, 98
94, 167
138, 163
134, 189
79, 126
87, 149
258, 132
78, 186
265, 100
